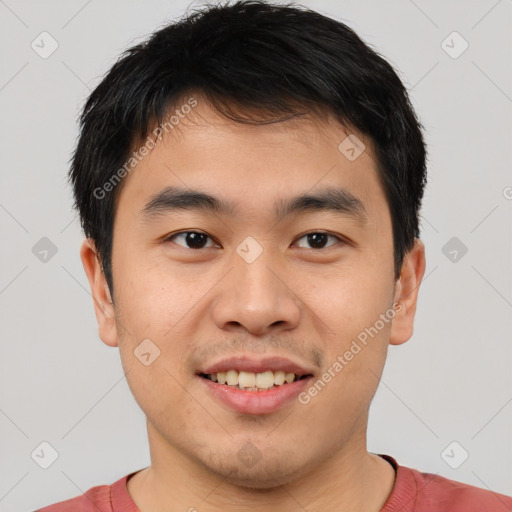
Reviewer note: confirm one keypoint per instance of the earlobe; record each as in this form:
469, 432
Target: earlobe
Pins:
103, 304
406, 294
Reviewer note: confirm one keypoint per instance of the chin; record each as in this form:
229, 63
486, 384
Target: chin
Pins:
266, 472
261, 478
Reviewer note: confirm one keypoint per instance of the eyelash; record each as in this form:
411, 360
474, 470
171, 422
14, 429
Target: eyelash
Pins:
169, 238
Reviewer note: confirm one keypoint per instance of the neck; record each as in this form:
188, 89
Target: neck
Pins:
350, 479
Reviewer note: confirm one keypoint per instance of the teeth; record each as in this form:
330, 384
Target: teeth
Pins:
279, 378
265, 380
289, 377
232, 377
246, 379
253, 381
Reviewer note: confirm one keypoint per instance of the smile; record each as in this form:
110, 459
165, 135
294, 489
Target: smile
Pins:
253, 399
250, 381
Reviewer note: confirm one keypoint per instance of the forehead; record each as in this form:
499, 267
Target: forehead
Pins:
253, 166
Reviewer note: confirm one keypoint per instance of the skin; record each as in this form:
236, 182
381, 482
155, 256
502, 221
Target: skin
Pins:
293, 300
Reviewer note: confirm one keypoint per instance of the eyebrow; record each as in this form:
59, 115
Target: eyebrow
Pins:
332, 199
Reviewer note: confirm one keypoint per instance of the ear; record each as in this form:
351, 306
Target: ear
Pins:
406, 294
103, 305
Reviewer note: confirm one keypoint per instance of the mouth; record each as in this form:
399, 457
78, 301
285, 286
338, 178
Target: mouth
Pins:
249, 386
250, 381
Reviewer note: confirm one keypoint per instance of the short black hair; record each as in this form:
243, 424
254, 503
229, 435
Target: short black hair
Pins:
254, 62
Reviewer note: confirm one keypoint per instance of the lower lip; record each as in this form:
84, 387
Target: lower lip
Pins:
255, 402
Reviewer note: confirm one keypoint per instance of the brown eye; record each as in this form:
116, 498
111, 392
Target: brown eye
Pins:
318, 240
191, 239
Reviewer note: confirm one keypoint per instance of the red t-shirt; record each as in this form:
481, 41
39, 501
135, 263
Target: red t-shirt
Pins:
413, 492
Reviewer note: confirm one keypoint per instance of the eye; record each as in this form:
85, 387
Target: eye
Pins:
191, 239
318, 240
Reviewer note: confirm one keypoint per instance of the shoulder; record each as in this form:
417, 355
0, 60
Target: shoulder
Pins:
417, 491
100, 498
457, 496
96, 499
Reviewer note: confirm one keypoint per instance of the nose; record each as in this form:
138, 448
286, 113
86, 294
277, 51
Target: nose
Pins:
256, 297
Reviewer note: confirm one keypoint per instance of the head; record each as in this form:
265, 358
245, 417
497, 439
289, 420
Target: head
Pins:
249, 182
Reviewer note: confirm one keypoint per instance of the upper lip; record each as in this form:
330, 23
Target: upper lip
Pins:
257, 365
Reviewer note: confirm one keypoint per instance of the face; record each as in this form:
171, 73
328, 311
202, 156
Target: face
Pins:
254, 280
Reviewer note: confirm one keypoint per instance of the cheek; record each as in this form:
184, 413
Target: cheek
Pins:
155, 376
349, 380
349, 299
149, 308
153, 294
354, 308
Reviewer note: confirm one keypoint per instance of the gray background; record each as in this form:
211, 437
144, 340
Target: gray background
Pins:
451, 382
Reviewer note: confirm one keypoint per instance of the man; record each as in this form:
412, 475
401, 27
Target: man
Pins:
249, 182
